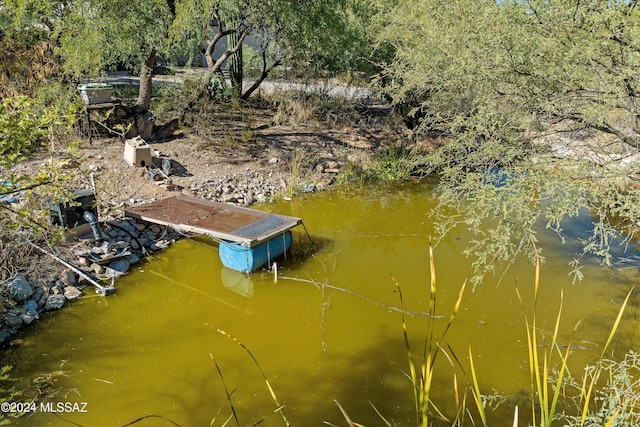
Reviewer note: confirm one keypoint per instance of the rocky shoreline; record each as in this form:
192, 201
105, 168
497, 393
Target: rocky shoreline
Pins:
123, 245
101, 256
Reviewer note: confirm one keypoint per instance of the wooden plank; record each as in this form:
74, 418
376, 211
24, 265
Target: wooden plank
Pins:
217, 220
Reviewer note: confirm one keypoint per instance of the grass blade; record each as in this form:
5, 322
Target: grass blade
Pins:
346, 416
475, 391
226, 390
407, 345
264, 376
586, 395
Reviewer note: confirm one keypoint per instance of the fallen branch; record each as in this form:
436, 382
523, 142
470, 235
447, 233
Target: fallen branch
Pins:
349, 291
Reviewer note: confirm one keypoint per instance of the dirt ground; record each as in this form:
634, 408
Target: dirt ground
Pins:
234, 151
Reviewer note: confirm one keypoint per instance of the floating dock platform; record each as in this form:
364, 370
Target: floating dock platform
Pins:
249, 239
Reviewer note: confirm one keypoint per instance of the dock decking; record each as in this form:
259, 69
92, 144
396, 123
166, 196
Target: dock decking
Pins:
245, 226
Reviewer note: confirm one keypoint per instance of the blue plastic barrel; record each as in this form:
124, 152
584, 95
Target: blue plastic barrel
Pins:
240, 258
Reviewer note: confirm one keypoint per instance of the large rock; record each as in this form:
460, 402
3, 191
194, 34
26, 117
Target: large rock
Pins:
55, 302
29, 317
18, 288
110, 273
31, 305
133, 259
72, 293
12, 319
68, 277
121, 265
5, 333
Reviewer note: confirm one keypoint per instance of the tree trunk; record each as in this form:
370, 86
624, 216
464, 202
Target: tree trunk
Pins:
231, 50
211, 45
263, 75
146, 83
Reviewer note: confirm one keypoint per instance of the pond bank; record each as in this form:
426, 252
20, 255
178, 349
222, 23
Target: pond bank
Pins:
126, 243
24, 299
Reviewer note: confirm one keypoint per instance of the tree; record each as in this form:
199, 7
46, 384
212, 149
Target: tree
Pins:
584, 67
92, 36
512, 86
314, 36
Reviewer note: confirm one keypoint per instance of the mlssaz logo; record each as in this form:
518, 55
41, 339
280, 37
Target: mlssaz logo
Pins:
63, 407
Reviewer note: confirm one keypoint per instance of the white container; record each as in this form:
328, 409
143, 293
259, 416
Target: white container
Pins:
95, 93
137, 152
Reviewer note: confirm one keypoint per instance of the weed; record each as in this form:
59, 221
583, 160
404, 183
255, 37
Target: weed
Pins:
392, 163
617, 401
166, 100
127, 93
422, 370
544, 398
279, 408
42, 387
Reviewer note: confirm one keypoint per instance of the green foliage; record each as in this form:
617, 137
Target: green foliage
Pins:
310, 38
617, 400
394, 162
422, 372
27, 126
22, 128
167, 100
97, 36
537, 92
13, 390
252, 61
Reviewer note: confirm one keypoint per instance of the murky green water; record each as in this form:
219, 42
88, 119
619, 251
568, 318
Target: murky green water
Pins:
327, 331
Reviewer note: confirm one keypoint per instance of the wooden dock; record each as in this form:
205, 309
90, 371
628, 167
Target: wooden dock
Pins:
219, 221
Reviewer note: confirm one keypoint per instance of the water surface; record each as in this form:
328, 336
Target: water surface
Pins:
329, 330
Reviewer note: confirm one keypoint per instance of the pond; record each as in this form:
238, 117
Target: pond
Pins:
328, 330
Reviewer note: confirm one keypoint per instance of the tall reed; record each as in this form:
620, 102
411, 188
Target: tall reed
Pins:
422, 370
544, 398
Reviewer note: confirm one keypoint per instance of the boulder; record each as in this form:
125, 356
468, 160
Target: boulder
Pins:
12, 319
5, 333
31, 305
121, 265
110, 273
55, 302
18, 288
29, 317
43, 300
97, 268
68, 278
133, 259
